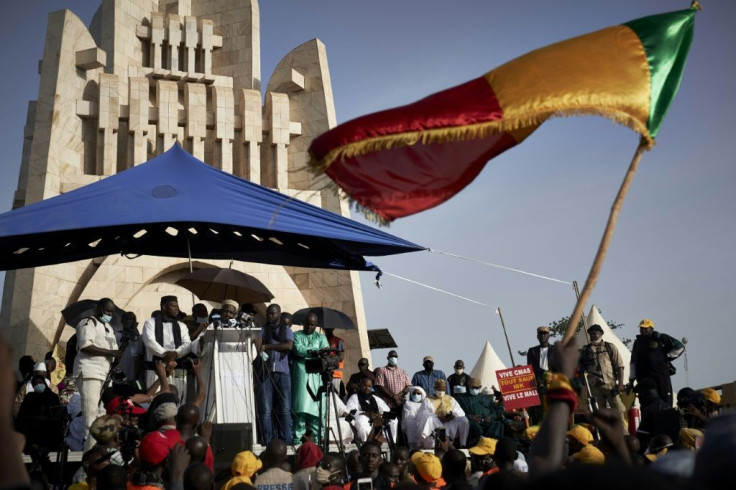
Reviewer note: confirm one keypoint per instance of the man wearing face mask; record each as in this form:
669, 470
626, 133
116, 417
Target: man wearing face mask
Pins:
442, 411
330, 474
458, 381
484, 413
428, 376
409, 416
97, 347
36, 419
392, 383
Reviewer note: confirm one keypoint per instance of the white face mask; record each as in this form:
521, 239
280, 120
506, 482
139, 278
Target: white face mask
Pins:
439, 394
393, 361
475, 391
459, 371
323, 475
416, 397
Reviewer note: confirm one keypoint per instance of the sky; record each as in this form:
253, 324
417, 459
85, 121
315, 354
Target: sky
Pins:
540, 207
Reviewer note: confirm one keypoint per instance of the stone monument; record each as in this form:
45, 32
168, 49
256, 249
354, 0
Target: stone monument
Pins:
144, 74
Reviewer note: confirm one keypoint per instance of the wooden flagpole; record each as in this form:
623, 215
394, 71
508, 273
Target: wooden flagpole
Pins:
605, 241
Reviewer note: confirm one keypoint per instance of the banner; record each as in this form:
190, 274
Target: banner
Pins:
519, 387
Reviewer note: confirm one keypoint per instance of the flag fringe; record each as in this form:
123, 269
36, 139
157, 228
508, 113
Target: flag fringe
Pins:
475, 131
445, 135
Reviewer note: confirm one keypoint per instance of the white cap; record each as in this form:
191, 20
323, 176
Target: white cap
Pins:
40, 366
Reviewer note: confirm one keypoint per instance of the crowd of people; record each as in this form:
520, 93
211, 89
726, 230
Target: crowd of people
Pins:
133, 403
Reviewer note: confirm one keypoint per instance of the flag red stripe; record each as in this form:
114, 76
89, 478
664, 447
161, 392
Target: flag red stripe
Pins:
472, 102
394, 191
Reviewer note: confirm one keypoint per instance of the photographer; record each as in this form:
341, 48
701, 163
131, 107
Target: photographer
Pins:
307, 414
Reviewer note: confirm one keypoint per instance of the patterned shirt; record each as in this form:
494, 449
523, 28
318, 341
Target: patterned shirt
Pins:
394, 380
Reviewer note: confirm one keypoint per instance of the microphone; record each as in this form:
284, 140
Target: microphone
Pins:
216, 320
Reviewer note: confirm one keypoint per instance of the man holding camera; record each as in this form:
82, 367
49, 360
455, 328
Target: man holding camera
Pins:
166, 338
308, 414
603, 366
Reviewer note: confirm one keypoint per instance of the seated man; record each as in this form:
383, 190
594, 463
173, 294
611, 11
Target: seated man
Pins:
367, 410
441, 411
40, 415
485, 415
413, 403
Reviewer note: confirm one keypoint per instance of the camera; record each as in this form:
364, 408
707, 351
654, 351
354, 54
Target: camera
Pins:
130, 434
325, 362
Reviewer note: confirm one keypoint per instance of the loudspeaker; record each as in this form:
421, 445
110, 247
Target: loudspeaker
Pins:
228, 440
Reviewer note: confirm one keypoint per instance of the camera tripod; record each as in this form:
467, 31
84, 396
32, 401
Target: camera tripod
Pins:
328, 390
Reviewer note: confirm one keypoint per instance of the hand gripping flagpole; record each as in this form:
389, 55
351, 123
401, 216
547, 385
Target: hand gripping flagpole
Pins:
605, 241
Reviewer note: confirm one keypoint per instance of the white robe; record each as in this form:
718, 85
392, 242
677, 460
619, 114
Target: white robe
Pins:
428, 421
362, 423
409, 422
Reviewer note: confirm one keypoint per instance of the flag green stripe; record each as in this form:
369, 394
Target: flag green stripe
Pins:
666, 39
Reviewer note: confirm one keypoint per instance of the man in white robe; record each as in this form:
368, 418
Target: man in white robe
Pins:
441, 411
367, 406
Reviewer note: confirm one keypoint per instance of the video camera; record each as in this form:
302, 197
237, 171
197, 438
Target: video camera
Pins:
121, 386
325, 361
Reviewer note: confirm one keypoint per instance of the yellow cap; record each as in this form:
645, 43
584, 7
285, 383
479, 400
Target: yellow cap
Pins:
486, 445
646, 323
428, 465
589, 455
581, 434
711, 395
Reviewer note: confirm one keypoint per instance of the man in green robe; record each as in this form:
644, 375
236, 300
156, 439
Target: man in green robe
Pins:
486, 416
307, 414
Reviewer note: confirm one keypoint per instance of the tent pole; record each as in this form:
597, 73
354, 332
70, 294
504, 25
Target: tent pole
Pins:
508, 344
605, 241
189, 256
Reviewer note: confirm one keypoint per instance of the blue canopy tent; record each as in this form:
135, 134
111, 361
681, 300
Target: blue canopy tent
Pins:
177, 206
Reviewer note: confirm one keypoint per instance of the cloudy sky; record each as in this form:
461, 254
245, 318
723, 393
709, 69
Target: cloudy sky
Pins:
541, 207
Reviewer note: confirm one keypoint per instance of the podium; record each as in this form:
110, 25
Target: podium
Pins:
228, 376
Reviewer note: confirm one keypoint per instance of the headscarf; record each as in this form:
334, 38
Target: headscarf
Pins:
308, 455
245, 464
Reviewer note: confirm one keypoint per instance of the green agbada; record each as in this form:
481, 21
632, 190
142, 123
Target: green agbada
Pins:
301, 401
486, 417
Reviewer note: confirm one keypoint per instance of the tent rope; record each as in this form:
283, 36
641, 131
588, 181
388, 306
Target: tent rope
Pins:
490, 264
442, 291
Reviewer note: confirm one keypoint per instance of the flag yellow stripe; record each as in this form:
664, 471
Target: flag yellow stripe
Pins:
604, 73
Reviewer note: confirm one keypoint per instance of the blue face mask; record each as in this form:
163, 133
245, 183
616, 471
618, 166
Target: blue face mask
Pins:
106, 318
393, 361
416, 398
201, 320
39, 388
475, 391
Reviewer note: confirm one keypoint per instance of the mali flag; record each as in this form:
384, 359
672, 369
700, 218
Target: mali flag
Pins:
404, 160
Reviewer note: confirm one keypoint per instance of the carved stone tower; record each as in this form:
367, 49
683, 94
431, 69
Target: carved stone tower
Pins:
144, 74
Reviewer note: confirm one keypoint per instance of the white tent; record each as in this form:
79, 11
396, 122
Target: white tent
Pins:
594, 317
486, 366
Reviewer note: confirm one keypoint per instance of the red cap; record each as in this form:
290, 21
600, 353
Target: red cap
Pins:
154, 447
122, 406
